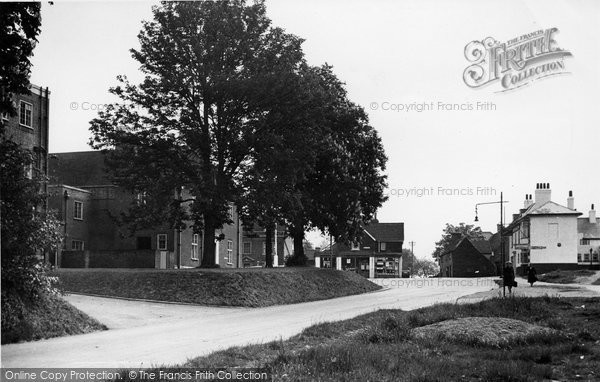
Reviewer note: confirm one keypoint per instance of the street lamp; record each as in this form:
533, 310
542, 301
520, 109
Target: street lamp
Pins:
501, 202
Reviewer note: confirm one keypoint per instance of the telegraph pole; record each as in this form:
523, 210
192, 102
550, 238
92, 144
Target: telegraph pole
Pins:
412, 255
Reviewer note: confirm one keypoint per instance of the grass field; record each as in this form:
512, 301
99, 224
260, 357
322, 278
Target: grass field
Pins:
564, 277
252, 287
48, 317
553, 339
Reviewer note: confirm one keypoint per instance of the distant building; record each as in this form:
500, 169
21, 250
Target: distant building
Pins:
377, 255
468, 257
588, 233
254, 246
549, 235
88, 203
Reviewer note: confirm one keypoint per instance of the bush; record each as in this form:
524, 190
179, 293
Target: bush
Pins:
27, 231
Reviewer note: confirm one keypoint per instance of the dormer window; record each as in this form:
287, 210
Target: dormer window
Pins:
354, 246
382, 247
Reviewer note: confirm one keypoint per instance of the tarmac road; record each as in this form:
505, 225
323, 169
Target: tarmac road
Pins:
146, 334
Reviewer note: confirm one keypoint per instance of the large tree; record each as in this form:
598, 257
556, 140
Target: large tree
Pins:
19, 27
462, 229
346, 186
320, 166
212, 69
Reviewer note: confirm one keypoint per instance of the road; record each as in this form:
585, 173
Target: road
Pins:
146, 334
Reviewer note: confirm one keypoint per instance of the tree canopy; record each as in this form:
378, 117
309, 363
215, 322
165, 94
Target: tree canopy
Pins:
19, 27
229, 111
466, 230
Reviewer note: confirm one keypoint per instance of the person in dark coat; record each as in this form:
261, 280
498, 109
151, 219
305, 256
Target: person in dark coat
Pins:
509, 276
531, 274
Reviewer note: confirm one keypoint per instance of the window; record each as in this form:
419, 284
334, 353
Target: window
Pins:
229, 251
553, 231
77, 245
595, 257
231, 212
355, 246
586, 257
579, 258
78, 211
195, 247
25, 113
141, 198
382, 247
161, 242
29, 171
247, 247
585, 241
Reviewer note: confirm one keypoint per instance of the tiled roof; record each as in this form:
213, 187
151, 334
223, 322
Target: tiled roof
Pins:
589, 230
386, 232
551, 208
548, 208
79, 169
483, 246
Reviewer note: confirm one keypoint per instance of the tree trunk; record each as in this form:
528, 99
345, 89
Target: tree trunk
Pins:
297, 233
208, 243
269, 231
299, 243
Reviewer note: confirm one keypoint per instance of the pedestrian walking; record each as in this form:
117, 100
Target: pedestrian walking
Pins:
531, 274
509, 276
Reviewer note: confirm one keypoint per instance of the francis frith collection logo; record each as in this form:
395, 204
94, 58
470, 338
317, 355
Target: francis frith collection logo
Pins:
514, 63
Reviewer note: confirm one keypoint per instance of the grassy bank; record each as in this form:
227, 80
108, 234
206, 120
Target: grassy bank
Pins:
48, 317
225, 287
553, 339
565, 277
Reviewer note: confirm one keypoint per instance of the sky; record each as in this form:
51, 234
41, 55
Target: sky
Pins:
465, 146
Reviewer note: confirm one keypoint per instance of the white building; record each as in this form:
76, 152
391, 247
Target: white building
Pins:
544, 233
588, 233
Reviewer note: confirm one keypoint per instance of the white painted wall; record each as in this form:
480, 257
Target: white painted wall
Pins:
318, 261
547, 232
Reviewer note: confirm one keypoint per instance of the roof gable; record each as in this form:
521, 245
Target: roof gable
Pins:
588, 230
550, 208
386, 232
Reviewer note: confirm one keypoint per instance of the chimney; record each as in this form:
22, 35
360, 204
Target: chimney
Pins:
528, 201
571, 201
592, 215
542, 193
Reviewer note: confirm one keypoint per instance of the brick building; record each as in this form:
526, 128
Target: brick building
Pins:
89, 203
254, 246
29, 128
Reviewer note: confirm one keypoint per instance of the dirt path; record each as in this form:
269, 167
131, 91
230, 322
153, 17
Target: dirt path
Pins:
539, 289
143, 334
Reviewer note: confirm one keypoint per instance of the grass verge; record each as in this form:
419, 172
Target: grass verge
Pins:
564, 277
49, 316
224, 287
381, 346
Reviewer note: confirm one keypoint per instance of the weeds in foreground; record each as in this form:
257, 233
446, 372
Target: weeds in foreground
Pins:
379, 346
